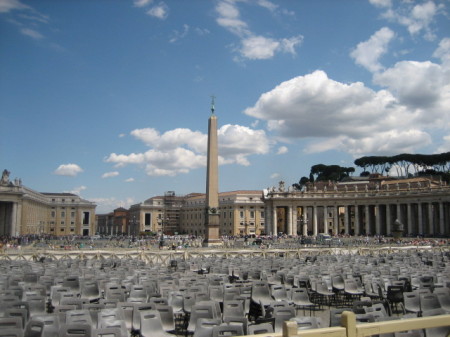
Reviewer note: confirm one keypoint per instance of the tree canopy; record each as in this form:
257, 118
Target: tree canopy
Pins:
406, 163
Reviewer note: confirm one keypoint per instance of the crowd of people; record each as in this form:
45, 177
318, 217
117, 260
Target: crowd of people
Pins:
180, 242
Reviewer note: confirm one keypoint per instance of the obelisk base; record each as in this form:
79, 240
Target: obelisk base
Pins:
212, 236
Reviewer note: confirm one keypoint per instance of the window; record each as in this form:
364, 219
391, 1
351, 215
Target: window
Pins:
62, 229
252, 214
148, 219
85, 218
72, 214
241, 214
53, 214
62, 223
262, 214
63, 214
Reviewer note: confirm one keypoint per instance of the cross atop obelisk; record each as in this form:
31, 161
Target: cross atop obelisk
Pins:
212, 183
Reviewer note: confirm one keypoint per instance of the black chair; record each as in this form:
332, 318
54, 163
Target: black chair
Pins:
394, 297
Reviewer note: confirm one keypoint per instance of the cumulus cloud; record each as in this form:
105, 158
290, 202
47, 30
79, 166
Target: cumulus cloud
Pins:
129, 180
419, 85
253, 46
443, 52
275, 176
70, 170
282, 150
417, 18
352, 117
110, 174
181, 150
160, 11
368, 53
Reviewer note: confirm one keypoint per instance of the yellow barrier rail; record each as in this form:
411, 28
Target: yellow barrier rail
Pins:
350, 328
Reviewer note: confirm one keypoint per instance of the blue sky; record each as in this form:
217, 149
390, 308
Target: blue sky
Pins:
110, 99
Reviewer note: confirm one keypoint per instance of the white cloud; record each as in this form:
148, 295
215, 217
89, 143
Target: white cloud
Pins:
262, 48
10, 5
70, 170
178, 35
445, 146
354, 118
275, 176
381, 3
32, 33
160, 11
417, 18
282, 150
368, 53
142, 3
253, 46
106, 205
77, 190
110, 174
443, 52
419, 85
259, 48
121, 135
129, 180
182, 150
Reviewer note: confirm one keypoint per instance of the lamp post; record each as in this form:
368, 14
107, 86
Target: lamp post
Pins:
304, 225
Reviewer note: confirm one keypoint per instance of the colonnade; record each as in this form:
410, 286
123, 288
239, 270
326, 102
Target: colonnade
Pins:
294, 214
9, 218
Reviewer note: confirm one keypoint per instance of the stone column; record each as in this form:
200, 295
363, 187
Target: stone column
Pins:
289, 218
269, 218
357, 220
325, 217
315, 231
294, 220
367, 213
388, 219
305, 221
399, 213
430, 219
377, 219
441, 218
346, 220
410, 218
420, 216
274, 223
336, 220
14, 225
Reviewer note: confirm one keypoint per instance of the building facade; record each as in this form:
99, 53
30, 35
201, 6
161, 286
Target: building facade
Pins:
240, 213
160, 214
365, 207
24, 211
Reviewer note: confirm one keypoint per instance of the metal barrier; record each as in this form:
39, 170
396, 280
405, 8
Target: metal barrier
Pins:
165, 256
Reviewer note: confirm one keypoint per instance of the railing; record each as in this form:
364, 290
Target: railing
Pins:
164, 257
350, 328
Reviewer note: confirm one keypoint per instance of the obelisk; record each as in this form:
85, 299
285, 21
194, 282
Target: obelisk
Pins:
212, 184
